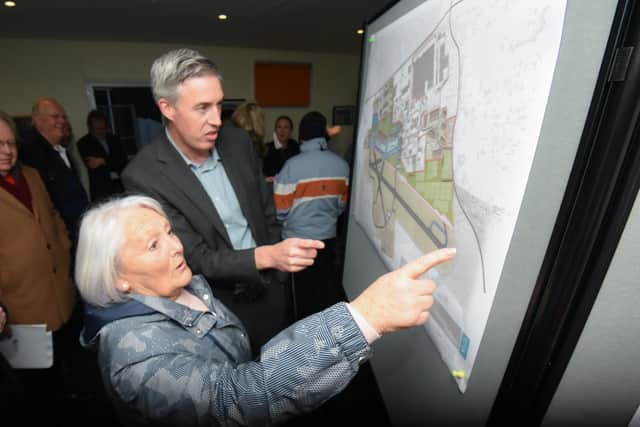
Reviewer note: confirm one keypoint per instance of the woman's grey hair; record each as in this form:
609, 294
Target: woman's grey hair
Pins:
99, 244
170, 70
8, 120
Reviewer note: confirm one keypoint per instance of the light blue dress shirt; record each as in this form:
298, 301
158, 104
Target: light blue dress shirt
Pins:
215, 182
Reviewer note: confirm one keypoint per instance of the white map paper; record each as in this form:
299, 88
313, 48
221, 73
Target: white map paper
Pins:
454, 94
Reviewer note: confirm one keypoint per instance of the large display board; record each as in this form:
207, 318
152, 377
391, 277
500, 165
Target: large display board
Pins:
452, 100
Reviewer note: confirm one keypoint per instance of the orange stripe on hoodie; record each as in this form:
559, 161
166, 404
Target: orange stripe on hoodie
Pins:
316, 188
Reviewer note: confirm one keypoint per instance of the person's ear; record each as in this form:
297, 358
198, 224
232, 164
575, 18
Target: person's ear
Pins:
167, 109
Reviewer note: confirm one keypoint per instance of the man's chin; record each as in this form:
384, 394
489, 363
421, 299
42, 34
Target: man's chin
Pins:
211, 138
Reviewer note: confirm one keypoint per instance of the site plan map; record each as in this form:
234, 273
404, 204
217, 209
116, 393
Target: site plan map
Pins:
453, 98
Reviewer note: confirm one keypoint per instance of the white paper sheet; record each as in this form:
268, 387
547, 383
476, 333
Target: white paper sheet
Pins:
30, 347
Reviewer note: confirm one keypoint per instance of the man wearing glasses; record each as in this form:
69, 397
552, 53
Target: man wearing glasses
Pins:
44, 151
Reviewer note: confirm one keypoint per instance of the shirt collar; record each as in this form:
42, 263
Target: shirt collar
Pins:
210, 163
13, 177
178, 312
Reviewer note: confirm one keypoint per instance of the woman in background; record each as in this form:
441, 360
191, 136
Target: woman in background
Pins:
250, 117
280, 149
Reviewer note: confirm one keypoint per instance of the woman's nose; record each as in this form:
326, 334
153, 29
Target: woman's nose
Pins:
177, 245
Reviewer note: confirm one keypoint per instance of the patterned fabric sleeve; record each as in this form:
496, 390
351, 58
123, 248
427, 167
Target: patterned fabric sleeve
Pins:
298, 370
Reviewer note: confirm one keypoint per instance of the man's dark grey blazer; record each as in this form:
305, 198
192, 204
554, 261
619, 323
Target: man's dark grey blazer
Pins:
159, 171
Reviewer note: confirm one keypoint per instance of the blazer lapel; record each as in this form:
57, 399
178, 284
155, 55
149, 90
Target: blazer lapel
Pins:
177, 171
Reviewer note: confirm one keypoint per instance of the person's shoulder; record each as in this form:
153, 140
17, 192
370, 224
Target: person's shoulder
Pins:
85, 138
126, 332
149, 151
229, 131
141, 163
271, 153
140, 157
293, 144
335, 157
232, 135
293, 169
294, 160
233, 138
30, 135
344, 165
32, 140
34, 150
30, 174
85, 142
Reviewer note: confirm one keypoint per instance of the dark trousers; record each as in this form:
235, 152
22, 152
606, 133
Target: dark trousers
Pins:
71, 390
317, 287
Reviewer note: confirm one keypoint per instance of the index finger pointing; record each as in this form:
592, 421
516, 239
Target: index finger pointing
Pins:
419, 266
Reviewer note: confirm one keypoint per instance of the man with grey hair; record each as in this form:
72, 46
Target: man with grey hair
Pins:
209, 181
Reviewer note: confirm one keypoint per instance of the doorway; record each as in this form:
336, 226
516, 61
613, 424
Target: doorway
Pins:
131, 112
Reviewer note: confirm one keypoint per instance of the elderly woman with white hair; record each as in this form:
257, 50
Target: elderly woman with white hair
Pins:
171, 353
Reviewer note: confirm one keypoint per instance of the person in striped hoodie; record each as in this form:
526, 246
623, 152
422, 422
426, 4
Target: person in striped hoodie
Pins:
310, 193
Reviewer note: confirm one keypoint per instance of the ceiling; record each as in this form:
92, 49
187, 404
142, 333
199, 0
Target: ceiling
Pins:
308, 25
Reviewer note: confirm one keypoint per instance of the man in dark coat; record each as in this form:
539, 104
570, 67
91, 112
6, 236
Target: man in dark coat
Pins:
209, 181
43, 150
104, 156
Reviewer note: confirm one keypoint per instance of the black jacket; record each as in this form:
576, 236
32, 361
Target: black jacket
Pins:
274, 159
62, 182
101, 183
159, 171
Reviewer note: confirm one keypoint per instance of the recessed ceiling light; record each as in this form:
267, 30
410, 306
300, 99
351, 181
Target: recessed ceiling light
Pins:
222, 17
360, 31
10, 3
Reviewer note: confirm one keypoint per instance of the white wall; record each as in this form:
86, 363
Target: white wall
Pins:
60, 68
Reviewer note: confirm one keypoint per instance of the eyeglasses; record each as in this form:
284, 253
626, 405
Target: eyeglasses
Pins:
8, 144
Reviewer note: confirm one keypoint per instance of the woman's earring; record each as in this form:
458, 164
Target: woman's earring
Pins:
125, 287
